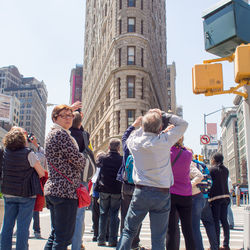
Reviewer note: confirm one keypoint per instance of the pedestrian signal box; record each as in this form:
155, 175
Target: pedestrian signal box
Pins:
207, 77
226, 25
242, 62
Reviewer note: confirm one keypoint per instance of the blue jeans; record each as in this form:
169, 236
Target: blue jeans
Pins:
208, 222
20, 209
79, 226
157, 204
109, 206
63, 218
36, 222
78, 233
198, 202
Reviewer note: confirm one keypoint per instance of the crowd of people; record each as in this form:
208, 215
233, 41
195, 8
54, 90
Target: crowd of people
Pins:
154, 174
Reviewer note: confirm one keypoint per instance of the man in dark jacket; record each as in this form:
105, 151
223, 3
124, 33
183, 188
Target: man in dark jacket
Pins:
110, 193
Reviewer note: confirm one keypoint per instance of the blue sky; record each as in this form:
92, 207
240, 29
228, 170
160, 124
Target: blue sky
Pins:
45, 38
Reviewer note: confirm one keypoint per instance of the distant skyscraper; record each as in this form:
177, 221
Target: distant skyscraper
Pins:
125, 67
32, 95
76, 84
229, 142
171, 88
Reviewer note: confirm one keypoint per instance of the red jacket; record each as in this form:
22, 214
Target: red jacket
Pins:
40, 199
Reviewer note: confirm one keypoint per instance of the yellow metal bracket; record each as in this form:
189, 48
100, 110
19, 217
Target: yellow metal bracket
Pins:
228, 58
232, 90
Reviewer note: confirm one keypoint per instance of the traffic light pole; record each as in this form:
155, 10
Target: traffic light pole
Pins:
246, 112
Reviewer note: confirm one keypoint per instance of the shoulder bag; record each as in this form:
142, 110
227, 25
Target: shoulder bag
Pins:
84, 199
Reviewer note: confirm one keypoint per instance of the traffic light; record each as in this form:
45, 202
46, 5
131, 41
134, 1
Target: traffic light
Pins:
201, 158
207, 77
242, 62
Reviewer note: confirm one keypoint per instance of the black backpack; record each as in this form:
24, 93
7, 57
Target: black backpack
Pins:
90, 167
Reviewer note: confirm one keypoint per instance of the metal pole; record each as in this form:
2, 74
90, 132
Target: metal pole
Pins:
205, 132
246, 112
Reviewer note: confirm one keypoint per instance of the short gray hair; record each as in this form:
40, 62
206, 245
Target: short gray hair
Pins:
114, 144
152, 122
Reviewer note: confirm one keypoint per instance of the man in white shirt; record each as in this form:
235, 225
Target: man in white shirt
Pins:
152, 175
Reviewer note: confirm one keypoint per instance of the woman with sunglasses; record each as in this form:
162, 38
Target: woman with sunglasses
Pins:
65, 164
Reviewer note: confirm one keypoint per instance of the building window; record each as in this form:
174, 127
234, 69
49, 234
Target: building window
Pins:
131, 55
107, 124
131, 3
131, 24
96, 141
142, 27
119, 88
97, 117
120, 57
142, 88
130, 117
107, 100
131, 87
142, 4
142, 57
101, 135
169, 92
102, 109
105, 10
168, 84
27, 124
120, 4
120, 26
118, 114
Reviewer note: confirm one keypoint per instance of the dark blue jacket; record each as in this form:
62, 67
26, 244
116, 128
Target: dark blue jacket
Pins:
109, 166
126, 152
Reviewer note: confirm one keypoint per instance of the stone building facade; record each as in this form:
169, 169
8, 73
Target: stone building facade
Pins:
32, 95
125, 65
241, 136
229, 143
171, 100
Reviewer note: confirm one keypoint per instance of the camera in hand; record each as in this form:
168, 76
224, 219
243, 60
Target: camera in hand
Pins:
165, 120
30, 137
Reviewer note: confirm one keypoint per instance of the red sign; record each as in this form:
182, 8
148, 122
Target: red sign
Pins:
204, 139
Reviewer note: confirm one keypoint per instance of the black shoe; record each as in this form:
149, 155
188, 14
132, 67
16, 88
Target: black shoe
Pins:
94, 238
100, 244
112, 244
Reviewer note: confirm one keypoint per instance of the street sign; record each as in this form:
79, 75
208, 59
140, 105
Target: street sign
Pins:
204, 139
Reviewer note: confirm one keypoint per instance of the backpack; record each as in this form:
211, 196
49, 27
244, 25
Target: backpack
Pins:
206, 184
90, 166
129, 169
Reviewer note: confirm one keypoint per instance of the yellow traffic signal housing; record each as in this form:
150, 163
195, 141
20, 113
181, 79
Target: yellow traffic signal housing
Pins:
207, 77
201, 158
242, 63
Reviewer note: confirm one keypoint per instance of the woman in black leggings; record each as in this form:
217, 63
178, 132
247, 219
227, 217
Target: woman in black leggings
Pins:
181, 198
220, 197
